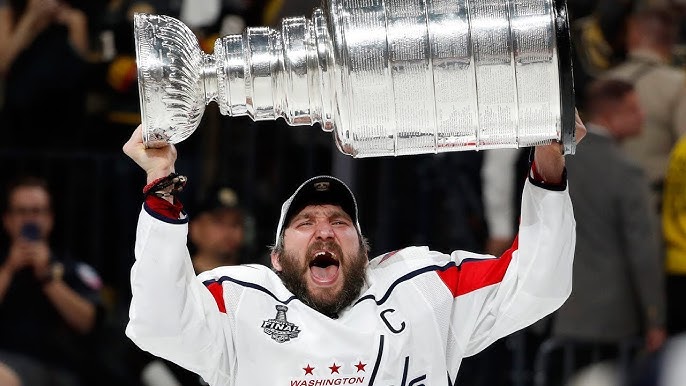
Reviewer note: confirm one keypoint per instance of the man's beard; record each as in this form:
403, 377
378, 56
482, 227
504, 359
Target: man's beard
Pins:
293, 276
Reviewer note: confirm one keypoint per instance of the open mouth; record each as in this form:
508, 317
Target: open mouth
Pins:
324, 268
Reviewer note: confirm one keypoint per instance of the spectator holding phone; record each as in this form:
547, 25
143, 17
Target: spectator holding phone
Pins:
48, 305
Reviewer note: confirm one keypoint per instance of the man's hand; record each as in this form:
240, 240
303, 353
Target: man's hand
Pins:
39, 253
24, 253
77, 23
42, 7
549, 159
40, 13
17, 257
156, 162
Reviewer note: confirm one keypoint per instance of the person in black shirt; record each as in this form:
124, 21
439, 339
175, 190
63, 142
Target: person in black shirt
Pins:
44, 53
48, 304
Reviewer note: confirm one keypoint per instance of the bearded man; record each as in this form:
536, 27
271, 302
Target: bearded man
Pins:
327, 315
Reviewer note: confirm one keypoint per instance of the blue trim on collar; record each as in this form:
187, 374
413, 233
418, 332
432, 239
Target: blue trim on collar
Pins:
166, 219
406, 277
248, 285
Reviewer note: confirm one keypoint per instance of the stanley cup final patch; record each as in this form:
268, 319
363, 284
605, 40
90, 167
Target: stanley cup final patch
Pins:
280, 329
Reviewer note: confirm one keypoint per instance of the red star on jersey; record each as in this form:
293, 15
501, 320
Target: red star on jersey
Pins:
360, 366
308, 369
334, 368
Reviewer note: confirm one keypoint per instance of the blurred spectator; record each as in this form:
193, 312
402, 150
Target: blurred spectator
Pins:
218, 230
618, 281
661, 91
598, 31
48, 304
674, 228
43, 49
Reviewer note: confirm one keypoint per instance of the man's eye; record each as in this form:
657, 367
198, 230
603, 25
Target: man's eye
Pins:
339, 222
305, 223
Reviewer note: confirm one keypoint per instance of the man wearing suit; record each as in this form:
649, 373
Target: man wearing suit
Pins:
618, 279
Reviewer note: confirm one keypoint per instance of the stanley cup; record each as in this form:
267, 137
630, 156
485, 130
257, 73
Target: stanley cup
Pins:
387, 77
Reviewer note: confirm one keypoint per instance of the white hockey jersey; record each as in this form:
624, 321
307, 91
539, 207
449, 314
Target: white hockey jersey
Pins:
419, 314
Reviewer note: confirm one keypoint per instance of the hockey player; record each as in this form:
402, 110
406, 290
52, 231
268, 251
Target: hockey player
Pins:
327, 315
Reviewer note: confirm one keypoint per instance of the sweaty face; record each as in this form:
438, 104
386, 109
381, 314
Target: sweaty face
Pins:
323, 262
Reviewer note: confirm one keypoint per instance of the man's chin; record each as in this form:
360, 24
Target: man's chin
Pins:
327, 304
324, 294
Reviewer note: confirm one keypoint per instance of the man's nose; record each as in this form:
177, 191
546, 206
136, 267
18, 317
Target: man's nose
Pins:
324, 230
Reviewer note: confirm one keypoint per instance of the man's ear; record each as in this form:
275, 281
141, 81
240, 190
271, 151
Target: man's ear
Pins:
276, 263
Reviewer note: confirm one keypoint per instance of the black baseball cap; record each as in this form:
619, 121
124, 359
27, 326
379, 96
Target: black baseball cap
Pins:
318, 190
217, 198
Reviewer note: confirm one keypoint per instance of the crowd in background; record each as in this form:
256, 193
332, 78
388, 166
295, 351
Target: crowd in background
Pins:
69, 100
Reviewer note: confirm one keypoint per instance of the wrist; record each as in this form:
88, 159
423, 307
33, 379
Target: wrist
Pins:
53, 274
165, 187
9, 268
31, 18
155, 175
5, 269
549, 163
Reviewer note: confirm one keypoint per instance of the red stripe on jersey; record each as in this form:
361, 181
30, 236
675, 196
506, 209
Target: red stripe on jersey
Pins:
475, 274
163, 207
218, 293
388, 255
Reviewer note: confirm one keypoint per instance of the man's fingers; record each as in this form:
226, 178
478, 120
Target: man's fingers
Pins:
134, 143
155, 161
580, 128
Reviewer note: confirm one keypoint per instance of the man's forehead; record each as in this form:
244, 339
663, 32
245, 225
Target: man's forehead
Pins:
30, 194
327, 210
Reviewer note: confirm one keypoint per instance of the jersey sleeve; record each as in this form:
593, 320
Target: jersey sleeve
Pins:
496, 296
173, 315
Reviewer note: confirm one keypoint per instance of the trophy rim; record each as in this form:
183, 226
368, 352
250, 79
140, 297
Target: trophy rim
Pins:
141, 89
566, 77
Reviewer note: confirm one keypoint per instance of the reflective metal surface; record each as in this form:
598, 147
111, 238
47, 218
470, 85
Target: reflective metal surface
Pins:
388, 77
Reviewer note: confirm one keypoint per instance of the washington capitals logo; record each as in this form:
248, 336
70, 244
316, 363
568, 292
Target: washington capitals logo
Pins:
280, 329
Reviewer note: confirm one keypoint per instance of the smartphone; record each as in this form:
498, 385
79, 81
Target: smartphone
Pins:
30, 231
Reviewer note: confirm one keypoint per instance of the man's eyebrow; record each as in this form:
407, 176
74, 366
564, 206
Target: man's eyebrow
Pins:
311, 213
302, 215
340, 213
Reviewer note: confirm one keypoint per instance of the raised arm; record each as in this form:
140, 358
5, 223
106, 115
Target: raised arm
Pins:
497, 296
17, 32
172, 314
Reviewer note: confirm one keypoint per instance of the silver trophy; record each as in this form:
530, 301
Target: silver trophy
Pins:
387, 77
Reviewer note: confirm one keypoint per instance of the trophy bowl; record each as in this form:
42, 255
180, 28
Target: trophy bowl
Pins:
171, 90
